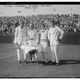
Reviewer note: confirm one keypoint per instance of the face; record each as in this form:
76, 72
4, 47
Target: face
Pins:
31, 26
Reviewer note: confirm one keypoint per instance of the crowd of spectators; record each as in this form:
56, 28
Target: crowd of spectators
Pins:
68, 22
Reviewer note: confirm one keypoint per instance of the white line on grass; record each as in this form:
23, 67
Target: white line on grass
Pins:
7, 56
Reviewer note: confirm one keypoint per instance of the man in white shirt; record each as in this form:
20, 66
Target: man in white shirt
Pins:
18, 39
54, 35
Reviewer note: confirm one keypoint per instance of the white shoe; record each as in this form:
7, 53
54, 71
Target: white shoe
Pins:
58, 63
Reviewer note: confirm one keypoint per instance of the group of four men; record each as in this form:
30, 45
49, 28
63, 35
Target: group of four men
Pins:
46, 38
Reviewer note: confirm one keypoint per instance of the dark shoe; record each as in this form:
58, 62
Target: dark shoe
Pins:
46, 61
36, 61
25, 61
20, 61
33, 61
53, 62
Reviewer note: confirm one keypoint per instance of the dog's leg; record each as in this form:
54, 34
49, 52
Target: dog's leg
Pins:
36, 57
30, 57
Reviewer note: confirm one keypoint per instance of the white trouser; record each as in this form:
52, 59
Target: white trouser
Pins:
19, 49
44, 46
18, 54
54, 53
25, 51
17, 43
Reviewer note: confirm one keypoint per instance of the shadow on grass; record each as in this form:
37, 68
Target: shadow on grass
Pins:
62, 62
6, 39
49, 63
66, 62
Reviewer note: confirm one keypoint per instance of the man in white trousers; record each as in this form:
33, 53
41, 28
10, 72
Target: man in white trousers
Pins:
55, 33
18, 39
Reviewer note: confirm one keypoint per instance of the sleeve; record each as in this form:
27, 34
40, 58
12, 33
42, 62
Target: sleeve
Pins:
49, 34
15, 35
39, 36
62, 32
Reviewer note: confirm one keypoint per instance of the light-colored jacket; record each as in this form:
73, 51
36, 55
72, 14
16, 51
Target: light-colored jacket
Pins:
54, 34
32, 37
18, 35
24, 36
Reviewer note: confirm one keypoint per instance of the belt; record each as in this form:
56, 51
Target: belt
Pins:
31, 39
43, 40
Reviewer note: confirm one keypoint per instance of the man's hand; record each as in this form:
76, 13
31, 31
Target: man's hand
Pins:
14, 42
59, 39
18, 46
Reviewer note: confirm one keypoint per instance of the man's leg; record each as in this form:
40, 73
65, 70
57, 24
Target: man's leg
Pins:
23, 48
56, 56
44, 51
55, 51
18, 52
18, 55
45, 54
53, 54
25, 56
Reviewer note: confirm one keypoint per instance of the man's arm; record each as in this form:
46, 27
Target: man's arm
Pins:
62, 32
39, 36
15, 36
49, 35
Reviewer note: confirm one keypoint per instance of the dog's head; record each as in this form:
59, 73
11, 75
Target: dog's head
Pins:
33, 51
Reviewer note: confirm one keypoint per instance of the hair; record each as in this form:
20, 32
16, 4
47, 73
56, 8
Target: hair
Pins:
31, 26
22, 24
17, 24
56, 23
